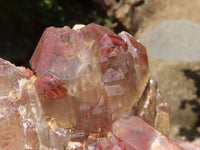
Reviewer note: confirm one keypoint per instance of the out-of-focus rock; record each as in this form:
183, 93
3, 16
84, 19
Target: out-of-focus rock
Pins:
122, 10
173, 40
179, 83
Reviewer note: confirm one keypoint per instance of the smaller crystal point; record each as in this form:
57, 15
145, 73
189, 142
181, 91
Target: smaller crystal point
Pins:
153, 109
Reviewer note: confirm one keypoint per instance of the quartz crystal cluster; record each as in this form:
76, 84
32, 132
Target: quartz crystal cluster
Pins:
89, 90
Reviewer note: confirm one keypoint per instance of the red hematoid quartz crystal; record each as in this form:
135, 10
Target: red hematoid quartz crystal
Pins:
90, 91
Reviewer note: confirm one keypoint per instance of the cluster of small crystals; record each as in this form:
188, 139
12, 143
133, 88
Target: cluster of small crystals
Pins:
89, 85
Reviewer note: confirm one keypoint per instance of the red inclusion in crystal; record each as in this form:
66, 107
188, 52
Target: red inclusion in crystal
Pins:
111, 43
51, 88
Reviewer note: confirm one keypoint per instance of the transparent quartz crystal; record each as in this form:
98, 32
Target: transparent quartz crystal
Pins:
87, 86
89, 75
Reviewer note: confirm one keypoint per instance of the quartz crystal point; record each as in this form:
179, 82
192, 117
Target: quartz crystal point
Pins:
103, 76
86, 88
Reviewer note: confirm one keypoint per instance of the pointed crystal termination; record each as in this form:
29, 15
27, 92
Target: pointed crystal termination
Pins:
153, 109
88, 85
98, 66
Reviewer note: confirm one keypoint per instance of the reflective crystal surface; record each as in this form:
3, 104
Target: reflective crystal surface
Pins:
87, 86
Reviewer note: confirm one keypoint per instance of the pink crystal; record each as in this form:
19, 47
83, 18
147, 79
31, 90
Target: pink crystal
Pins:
96, 64
87, 87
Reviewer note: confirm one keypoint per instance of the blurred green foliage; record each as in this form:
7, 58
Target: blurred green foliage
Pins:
52, 12
42, 11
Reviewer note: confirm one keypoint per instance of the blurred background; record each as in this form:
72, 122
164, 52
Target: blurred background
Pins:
170, 30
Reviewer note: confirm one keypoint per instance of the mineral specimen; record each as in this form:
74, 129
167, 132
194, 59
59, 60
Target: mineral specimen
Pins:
87, 86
